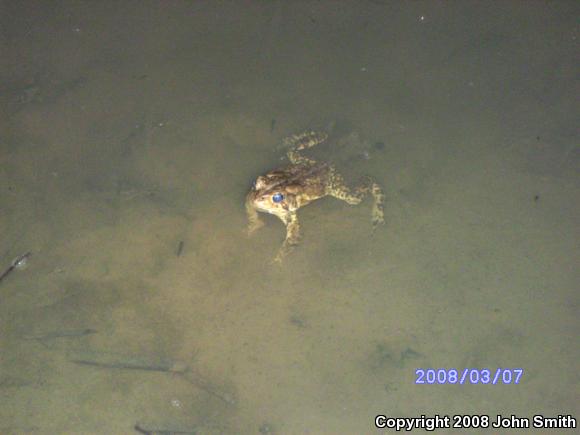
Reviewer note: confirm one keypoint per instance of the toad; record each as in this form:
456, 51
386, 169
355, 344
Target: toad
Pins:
283, 191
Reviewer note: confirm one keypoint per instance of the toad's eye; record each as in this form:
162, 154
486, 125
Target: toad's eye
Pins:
277, 197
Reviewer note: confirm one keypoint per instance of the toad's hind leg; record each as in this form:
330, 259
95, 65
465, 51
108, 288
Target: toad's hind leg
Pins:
302, 141
378, 213
338, 189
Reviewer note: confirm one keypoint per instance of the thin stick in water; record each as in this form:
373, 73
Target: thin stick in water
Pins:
179, 248
159, 367
148, 431
17, 262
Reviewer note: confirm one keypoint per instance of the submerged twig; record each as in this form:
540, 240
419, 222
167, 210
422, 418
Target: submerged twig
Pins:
169, 367
18, 262
148, 431
209, 388
178, 368
179, 248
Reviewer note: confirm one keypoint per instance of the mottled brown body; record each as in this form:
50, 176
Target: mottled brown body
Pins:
283, 191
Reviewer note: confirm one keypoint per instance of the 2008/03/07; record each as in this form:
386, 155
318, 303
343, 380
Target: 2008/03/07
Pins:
468, 375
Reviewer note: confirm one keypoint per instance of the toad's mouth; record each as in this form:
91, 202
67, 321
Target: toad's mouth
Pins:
276, 211
263, 207
270, 210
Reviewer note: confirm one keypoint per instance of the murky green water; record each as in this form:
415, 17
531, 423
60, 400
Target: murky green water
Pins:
130, 132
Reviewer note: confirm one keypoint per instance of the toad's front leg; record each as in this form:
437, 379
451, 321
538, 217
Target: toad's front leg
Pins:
254, 221
292, 236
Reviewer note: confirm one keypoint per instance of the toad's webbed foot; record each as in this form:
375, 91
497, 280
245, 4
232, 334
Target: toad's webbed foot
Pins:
253, 227
338, 189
